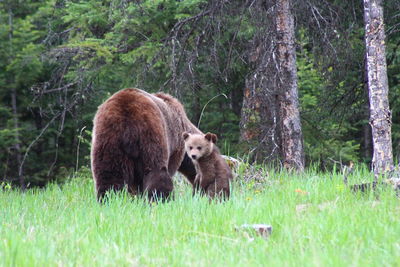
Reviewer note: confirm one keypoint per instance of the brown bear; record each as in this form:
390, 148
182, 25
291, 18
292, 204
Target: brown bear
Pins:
213, 173
137, 142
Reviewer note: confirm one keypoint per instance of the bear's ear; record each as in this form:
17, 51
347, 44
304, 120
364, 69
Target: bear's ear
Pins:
185, 135
211, 137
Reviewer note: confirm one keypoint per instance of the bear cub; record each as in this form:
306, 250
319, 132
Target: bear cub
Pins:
213, 173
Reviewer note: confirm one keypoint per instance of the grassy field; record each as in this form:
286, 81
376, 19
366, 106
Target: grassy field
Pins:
316, 222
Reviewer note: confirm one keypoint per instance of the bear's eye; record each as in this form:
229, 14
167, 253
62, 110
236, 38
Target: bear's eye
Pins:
190, 147
199, 147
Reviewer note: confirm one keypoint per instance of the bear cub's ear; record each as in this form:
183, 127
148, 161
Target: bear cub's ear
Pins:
185, 135
211, 137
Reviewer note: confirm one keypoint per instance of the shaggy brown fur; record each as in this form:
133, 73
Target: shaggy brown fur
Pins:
137, 143
213, 173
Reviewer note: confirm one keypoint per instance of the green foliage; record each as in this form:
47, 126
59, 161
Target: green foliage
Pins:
325, 136
26, 67
21, 67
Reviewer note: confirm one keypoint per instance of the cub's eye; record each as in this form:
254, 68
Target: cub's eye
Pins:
199, 147
190, 147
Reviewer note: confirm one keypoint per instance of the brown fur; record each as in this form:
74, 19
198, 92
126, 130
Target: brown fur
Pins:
137, 143
213, 173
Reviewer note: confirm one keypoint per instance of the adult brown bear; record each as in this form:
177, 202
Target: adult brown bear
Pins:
137, 142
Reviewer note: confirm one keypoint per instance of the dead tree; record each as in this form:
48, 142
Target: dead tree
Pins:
380, 115
290, 124
259, 122
270, 114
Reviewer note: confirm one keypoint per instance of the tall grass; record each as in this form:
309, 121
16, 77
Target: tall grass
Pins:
316, 222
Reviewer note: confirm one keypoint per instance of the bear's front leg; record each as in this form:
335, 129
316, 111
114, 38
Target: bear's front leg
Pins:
196, 183
188, 169
157, 184
218, 189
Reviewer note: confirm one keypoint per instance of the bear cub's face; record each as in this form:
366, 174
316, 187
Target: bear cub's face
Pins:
199, 145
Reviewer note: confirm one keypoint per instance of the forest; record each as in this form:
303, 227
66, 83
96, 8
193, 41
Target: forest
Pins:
304, 96
60, 59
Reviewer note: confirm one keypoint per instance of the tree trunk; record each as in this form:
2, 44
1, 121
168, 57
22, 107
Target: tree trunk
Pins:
270, 118
290, 124
380, 115
259, 115
259, 120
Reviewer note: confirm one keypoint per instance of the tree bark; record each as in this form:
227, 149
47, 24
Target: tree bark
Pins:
380, 115
270, 118
290, 124
259, 114
259, 119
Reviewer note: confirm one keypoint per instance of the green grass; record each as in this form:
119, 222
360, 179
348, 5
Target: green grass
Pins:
65, 226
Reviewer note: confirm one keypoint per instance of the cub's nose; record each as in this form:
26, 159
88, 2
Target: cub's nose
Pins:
194, 157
